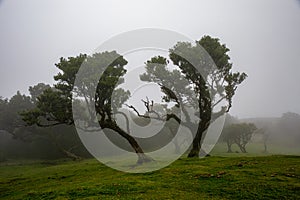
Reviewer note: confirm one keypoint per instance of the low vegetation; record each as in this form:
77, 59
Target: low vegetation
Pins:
265, 177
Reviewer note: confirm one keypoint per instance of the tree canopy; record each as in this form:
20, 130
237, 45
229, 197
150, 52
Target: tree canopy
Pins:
203, 75
54, 105
200, 81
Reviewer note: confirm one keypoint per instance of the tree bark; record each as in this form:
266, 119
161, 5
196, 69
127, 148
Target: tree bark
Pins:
265, 147
229, 147
142, 157
265, 139
242, 148
205, 111
196, 145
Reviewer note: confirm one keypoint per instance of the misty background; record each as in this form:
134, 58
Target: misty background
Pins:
263, 37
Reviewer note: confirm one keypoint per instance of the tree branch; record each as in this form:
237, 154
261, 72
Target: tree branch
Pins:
50, 125
126, 118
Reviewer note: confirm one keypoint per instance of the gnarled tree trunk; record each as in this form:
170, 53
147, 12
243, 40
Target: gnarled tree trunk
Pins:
196, 145
142, 157
229, 147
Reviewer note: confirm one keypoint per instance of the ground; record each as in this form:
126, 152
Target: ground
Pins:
214, 177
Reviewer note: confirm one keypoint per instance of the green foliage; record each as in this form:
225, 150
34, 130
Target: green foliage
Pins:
54, 105
112, 76
37, 90
198, 86
175, 87
69, 68
203, 78
10, 110
3, 110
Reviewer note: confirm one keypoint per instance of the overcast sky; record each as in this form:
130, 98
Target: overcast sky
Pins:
263, 36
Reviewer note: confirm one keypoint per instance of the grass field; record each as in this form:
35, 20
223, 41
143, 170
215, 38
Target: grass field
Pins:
264, 177
255, 149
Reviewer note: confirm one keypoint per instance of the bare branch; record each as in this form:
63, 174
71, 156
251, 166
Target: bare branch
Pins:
136, 111
50, 125
144, 116
218, 101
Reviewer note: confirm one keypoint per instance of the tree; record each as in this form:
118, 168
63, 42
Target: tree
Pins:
201, 87
60, 138
10, 110
161, 112
196, 83
37, 90
288, 127
265, 138
3, 110
54, 106
229, 119
11, 123
239, 134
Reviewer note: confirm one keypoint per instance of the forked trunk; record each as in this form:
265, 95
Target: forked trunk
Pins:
242, 148
229, 147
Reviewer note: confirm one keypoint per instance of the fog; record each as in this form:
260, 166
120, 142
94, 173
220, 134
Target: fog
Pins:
263, 37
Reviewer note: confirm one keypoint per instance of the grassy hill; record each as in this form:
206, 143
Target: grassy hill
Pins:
264, 177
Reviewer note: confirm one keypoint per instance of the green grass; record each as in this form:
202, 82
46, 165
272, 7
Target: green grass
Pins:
269, 177
255, 149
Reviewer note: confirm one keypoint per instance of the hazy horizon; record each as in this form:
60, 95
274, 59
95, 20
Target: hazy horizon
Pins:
263, 38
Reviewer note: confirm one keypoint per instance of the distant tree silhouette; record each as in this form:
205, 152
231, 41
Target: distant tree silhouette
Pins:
239, 134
